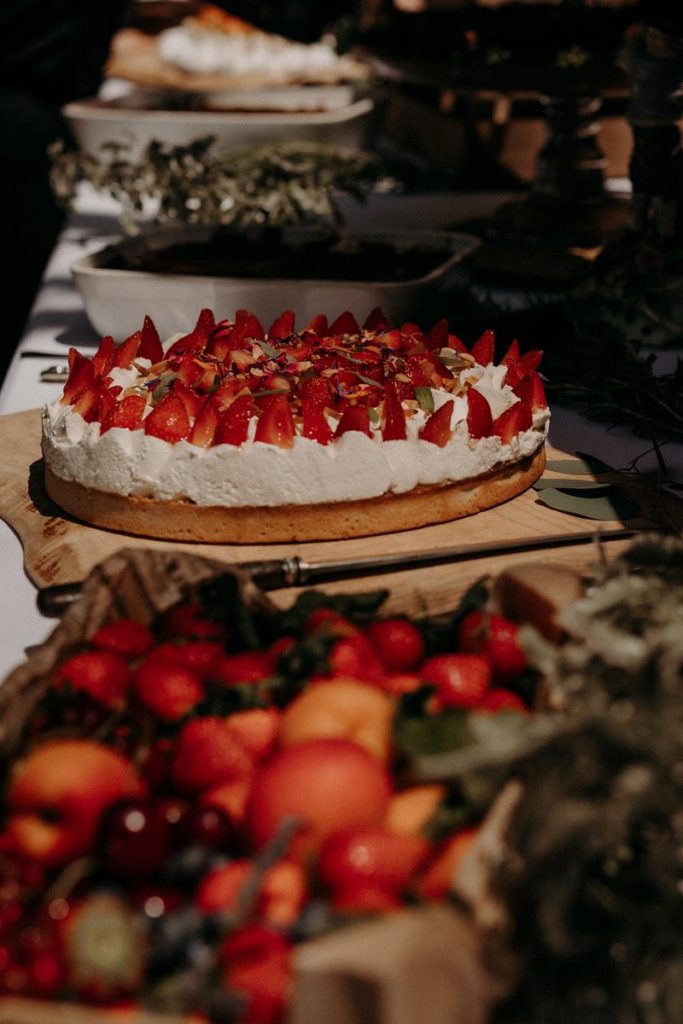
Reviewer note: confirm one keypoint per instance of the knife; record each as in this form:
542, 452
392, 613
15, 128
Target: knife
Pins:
292, 571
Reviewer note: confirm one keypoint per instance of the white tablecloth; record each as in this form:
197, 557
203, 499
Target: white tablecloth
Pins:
59, 321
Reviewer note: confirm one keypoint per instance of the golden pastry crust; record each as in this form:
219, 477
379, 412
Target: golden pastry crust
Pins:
390, 513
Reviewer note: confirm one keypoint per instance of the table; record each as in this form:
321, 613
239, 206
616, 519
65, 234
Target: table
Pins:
59, 321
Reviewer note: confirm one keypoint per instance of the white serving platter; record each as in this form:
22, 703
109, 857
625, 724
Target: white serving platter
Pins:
96, 124
117, 300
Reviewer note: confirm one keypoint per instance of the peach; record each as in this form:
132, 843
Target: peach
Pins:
410, 809
58, 794
328, 784
342, 709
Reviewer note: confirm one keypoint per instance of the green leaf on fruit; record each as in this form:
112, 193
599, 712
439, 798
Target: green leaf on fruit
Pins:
425, 398
615, 506
353, 606
271, 352
368, 380
435, 734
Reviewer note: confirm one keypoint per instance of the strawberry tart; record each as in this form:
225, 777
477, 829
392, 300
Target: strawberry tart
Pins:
235, 434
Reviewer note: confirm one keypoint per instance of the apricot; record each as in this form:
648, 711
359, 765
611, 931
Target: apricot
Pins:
230, 797
342, 709
256, 728
281, 897
58, 794
327, 784
410, 809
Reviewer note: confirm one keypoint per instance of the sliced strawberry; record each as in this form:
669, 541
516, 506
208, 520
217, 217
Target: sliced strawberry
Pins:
247, 328
169, 420
437, 430
150, 346
127, 351
87, 403
106, 402
376, 321
520, 369
413, 336
456, 344
218, 344
417, 370
226, 393
394, 428
512, 354
512, 422
126, 414
205, 425
197, 339
283, 326
405, 390
482, 350
318, 326
437, 338
190, 399
275, 424
81, 376
531, 391
479, 418
234, 423
317, 390
315, 425
345, 323
187, 369
391, 339
241, 359
103, 360
355, 417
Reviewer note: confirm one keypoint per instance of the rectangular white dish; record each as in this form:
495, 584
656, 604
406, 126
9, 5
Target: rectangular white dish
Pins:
117, 300
96, 124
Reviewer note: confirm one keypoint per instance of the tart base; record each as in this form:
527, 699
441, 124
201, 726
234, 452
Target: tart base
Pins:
389, 513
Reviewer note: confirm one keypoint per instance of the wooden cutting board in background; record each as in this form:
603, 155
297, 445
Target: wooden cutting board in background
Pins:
59, 549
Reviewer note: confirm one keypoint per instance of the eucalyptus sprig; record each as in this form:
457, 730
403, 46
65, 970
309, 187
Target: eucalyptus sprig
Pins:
277, 185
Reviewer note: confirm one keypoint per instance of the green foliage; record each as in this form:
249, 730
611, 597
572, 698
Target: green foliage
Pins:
277, 185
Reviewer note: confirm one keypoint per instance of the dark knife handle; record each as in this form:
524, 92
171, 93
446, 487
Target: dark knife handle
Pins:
53, 601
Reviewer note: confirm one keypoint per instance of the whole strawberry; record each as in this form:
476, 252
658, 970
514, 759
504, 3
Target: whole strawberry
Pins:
461, 680
497, 639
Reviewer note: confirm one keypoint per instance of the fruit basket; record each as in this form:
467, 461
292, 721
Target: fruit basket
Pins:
419, 955
527, 851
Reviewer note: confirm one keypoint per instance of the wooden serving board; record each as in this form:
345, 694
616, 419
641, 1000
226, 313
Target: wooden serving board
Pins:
59, 549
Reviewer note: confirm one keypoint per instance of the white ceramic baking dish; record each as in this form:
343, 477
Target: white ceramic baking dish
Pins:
116, 300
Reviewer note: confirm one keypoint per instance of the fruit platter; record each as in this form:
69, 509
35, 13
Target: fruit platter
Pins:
175, 838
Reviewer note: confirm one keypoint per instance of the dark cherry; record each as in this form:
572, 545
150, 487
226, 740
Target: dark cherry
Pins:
135, 839
155, 901
209, 827
175, 810
156, 765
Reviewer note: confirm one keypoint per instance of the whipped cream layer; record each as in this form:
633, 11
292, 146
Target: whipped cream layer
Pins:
354, 467
199, 50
